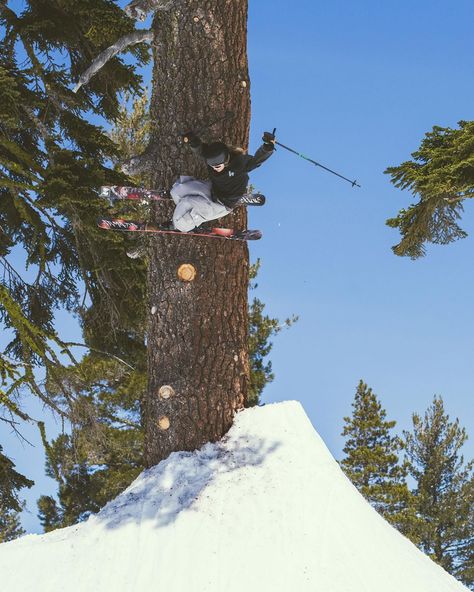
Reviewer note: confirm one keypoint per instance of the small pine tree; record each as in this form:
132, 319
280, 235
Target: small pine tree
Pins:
10, 483
444, 494
261, 329
372, 461
10, 527
49, 513
131, 130
10, 506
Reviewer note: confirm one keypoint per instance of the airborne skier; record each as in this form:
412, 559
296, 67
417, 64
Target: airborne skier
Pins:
199, 201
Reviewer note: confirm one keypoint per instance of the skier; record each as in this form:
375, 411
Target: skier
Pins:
199, 201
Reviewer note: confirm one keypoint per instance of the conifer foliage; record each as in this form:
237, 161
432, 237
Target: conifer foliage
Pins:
372, 457
10, 527
444, 492
103, 452
441, 174
52, 160
10, 483
261, 329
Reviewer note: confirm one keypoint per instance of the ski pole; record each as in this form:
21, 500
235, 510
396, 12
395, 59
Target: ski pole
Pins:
353, 183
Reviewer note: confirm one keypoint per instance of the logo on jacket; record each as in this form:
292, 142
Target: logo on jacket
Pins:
231, 173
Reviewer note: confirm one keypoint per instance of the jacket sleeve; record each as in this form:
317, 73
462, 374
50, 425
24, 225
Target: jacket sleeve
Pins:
262, 154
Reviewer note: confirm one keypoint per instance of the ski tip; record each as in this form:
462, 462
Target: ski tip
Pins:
104, 223
254, 234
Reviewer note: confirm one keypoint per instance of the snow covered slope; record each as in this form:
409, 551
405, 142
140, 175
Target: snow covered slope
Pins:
266, 510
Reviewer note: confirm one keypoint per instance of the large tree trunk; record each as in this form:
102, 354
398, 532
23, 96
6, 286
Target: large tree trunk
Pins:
197, 334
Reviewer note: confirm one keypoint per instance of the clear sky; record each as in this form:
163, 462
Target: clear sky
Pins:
354, 86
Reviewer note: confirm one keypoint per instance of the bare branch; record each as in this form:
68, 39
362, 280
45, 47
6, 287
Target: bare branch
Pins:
124, 42
98, 351
138, 9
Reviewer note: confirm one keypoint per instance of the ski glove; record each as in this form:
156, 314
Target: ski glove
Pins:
269, 140
193, 140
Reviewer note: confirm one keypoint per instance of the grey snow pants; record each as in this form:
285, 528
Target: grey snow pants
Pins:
194, 204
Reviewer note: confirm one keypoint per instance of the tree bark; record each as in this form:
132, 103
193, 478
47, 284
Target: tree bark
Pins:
198, 329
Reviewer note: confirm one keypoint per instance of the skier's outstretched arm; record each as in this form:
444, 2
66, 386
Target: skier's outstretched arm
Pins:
263, 153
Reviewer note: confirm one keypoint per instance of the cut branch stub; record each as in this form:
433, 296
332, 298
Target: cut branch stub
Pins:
186, 272
164, 423
166, 392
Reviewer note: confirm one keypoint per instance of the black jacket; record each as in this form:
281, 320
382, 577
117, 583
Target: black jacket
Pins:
230, 184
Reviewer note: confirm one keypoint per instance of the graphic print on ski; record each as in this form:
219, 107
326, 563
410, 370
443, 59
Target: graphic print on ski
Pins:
145, 227
118, 192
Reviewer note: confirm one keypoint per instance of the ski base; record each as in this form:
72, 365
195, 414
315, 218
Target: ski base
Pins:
139, 194
134, 226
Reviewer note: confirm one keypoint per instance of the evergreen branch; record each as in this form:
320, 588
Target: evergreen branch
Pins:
38, 69
100, 61
138, 9
47, 447
98, 351
51, 220
11, 406
48, 402
11, 271
100, 283
453, 200
42, 129
7, 183
13, 425
85, 277
8, 14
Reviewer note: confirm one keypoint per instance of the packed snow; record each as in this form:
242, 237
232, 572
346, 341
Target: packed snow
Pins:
266, 509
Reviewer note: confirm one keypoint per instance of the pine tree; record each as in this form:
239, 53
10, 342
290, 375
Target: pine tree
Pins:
441, 174
261, 329
444, 493
11, 482
10, 527
131, 130
372, 457
52, 160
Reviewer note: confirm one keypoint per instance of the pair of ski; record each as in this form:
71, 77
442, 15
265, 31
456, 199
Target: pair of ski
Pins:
140, 195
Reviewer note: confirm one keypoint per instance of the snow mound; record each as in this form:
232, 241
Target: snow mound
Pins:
266, 509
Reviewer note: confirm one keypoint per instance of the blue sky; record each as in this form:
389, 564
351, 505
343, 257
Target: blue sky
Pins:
354, 86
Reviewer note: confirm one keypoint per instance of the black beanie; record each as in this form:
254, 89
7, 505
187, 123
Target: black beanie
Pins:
215, 153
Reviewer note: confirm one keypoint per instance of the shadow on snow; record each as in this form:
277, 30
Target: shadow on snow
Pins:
176, 484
